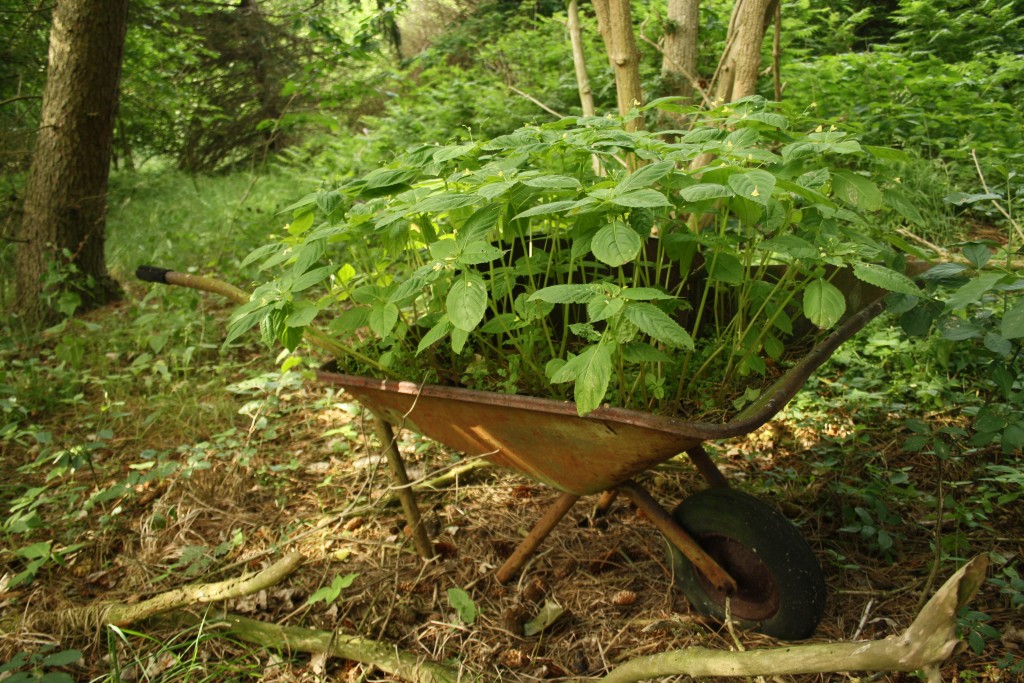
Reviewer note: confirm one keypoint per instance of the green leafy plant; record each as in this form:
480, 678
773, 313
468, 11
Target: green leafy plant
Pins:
463, 605
644, 284
328, 594
38, 667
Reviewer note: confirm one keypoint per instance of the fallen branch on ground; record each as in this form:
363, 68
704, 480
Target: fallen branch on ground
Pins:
925, 645
90, 618
384, 656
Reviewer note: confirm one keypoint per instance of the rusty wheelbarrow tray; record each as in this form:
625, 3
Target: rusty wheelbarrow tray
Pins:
725, 546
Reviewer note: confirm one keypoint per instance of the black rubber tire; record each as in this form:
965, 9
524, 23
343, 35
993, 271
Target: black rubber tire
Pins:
781, 586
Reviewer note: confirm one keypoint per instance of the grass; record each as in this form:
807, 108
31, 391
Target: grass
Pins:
164, 217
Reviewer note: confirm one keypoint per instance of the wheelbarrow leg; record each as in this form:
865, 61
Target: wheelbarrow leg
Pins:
537, 534
712, 475
675, 535
386, 434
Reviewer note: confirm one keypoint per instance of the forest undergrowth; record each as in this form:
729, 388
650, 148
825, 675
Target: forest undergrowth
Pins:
156, 470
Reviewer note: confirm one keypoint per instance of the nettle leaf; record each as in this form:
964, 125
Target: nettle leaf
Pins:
477, 252
616, 244
1012, 326
957, 329
789, 245
543, 209
978, 254
646, 198
704, 191
824, 304
480, 222
459, 339
903, 206
645, 176
726, 268
641, 352
754, 185
467, 301
591, 370
602, 308
307, 280
301, 224
856, 190
553, 182
655, 323
445, 202
453, 152
383, 179
644, 294
973, 291
565, 294
302, 314
383, 318
438, 332
886, 278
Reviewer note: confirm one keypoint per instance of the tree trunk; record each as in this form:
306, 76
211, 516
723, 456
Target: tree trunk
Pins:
579, 60
615, 22
741, 60
679, 59
61, 250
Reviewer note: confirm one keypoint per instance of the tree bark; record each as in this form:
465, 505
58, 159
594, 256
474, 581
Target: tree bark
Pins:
679, 58
615, 22
579, 60
738, 69
62, 231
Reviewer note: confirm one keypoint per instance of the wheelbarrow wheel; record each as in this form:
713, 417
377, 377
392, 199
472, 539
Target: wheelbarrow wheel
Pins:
781, 587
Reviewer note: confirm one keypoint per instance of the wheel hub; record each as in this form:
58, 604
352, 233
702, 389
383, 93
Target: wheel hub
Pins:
757, 596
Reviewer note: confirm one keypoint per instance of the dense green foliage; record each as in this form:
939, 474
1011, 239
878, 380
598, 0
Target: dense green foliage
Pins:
491, 247
381, 189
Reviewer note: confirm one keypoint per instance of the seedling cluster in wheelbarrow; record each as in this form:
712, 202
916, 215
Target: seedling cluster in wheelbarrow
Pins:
578, 260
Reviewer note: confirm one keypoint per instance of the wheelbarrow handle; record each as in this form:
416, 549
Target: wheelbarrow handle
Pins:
165, 276
316, 337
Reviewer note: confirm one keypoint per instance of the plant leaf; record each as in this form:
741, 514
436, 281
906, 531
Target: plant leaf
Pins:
441, 328
591, 370
824, 304
1012, 326
886, 278
754, 185
703, 191
383, 317
645, 198
856, 190
973, 291
463, 605
616, 244
542, 209
645, 176
564, 294
467, 301
658, 325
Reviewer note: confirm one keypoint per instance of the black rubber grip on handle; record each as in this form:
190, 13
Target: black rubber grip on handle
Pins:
152, 274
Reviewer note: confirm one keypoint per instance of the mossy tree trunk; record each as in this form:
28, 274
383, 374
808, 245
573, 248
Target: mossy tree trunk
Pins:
62, 229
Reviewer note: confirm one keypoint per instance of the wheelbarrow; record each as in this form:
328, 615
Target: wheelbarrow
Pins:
730, 552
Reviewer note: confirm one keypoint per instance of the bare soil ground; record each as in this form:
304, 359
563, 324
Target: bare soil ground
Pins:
313, 482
